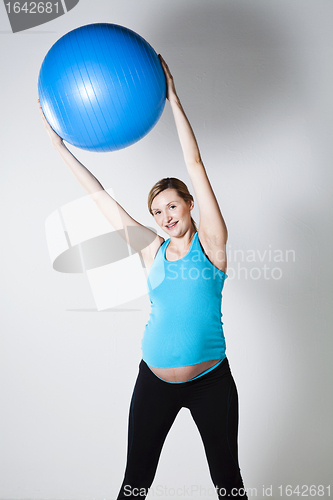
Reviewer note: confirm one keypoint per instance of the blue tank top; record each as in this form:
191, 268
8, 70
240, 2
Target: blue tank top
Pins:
185, 323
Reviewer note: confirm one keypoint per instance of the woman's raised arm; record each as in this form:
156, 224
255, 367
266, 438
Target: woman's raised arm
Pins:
145, 240
211, 226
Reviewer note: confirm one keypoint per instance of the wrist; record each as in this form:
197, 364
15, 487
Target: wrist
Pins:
174, 99
58, 144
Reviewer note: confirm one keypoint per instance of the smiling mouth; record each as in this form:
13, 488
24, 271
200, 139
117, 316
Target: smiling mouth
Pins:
170, 226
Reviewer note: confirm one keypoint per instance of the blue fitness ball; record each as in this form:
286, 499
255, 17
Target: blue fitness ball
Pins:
102, 87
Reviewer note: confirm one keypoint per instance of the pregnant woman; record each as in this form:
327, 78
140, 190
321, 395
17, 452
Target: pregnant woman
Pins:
183, 347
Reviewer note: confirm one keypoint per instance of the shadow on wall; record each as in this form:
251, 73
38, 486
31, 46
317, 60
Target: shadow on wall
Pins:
230, 56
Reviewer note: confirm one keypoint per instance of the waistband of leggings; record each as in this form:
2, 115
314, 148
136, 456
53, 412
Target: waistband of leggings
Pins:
220, 368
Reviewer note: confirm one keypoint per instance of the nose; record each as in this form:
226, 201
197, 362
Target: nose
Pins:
167, 219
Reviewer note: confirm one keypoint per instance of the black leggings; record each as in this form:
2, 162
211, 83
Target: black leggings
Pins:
213, 402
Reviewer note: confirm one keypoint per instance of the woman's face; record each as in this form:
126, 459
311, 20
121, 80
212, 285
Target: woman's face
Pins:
171, 212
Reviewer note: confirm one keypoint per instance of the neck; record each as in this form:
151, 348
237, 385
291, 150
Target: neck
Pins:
182, 243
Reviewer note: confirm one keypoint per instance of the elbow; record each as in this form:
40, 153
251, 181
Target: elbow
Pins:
194, 161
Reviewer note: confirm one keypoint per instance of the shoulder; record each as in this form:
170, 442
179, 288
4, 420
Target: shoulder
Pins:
214, 250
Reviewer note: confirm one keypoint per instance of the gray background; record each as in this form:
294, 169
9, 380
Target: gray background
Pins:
256, 80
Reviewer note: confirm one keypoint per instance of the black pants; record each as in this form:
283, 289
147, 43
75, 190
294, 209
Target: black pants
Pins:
213, 402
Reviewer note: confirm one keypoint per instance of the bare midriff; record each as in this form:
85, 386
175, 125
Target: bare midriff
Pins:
183, 373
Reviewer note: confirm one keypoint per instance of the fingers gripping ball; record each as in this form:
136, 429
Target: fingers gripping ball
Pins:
102, 87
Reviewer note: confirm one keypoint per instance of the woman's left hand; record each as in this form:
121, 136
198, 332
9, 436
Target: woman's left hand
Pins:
171, 91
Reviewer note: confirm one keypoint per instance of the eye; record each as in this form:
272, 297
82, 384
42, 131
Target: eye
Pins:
172, 206
157, 212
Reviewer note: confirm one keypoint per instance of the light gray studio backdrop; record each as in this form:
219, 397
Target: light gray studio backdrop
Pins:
256, 80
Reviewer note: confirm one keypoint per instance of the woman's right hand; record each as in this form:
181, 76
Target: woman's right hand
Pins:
55, 138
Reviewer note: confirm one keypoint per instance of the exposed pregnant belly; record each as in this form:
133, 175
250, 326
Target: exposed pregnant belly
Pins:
183, 373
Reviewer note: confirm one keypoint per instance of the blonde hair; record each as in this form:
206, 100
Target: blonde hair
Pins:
170, 183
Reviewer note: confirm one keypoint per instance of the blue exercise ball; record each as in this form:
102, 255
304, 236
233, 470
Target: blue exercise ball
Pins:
102, 87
